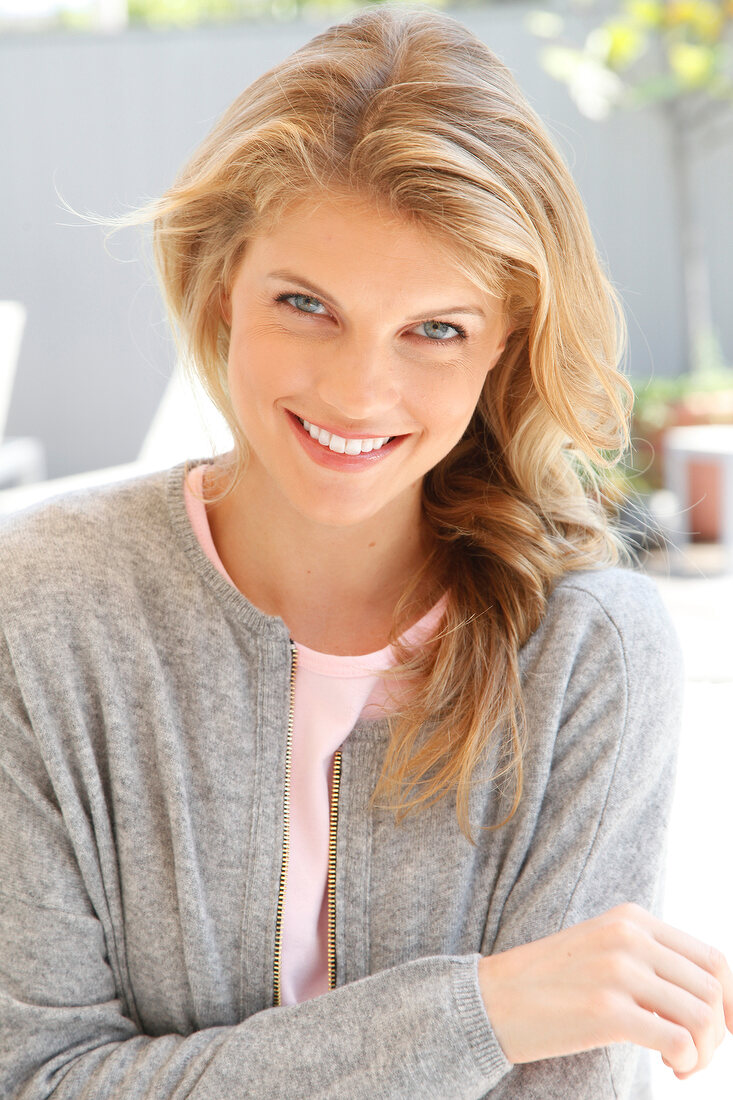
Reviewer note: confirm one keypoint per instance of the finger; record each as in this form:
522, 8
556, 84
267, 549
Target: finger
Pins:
654, 1032
701, 954
701, 984
679, 1076
675, 1005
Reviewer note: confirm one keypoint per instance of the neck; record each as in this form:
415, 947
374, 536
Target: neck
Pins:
336, 588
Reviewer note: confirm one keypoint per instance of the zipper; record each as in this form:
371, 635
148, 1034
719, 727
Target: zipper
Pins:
332, 834
332, 830
276, 987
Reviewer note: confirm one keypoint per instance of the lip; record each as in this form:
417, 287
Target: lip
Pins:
332, 460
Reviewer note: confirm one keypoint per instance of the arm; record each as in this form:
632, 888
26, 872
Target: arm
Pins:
573, 969
67, 1030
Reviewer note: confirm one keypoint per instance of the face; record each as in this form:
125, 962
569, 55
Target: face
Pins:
358, 352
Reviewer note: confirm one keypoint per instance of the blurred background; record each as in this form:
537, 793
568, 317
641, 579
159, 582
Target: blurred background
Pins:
102, 101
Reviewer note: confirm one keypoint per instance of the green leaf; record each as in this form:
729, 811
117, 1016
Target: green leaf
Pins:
656, 89
181, 13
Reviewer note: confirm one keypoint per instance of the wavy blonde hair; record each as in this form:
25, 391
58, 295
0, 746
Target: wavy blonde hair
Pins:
410, 110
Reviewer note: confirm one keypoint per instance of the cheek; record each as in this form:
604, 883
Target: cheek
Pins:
258, 365
448, 403
239, 372
249, 385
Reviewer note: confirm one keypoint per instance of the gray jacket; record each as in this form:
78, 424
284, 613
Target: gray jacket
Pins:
143, 714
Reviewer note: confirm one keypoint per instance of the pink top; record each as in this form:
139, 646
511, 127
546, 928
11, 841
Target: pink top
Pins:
331, 693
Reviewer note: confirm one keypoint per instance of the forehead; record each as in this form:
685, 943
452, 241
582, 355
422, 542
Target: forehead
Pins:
352, 240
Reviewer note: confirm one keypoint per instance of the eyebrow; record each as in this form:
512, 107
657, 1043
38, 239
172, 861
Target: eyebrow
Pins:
290, 276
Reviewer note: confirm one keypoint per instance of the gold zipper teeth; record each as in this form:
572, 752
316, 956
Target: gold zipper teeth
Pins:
277, 991
332, 833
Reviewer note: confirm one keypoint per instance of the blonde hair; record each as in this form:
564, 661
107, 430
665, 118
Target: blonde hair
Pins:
410, 110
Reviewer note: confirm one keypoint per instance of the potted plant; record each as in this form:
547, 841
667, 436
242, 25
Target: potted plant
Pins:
702, 397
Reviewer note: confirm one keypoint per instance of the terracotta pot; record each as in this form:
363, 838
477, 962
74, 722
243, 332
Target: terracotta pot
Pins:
705, 487
705, 481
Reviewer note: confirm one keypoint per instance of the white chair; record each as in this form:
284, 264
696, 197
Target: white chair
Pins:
22, 460
185, 425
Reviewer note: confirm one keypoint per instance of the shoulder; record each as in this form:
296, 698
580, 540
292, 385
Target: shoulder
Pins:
628, 600
604, 617
85, 538
66, 521
604, 671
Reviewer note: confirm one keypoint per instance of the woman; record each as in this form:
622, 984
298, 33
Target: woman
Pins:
341, 765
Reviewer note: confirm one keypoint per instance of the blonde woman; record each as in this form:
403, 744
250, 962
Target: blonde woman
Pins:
340, 766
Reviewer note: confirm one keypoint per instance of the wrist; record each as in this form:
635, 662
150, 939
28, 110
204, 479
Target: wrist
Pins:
490, 990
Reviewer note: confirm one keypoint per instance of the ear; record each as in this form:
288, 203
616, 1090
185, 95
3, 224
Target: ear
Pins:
505, 341
501, 348
225, 306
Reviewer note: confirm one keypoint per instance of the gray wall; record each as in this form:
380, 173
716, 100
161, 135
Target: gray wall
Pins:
107, 121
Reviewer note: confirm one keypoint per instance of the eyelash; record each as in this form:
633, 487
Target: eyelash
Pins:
461, 333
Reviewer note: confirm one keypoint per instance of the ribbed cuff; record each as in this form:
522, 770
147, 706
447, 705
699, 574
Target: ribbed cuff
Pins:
490, 1058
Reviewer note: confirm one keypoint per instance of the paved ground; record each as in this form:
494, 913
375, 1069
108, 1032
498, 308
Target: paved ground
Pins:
700, 866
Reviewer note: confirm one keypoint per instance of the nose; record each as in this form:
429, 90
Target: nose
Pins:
359, 381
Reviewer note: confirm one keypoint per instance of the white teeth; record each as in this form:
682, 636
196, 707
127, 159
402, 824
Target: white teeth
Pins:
344, 446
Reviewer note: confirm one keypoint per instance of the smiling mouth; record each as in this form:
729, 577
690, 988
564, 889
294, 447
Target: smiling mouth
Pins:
339, 445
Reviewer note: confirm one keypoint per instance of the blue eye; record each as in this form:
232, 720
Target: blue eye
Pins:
298, 299
437, 331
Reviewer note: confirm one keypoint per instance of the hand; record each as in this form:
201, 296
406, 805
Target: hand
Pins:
624, 976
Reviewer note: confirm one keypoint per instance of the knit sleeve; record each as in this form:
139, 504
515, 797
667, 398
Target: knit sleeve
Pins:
599, 833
